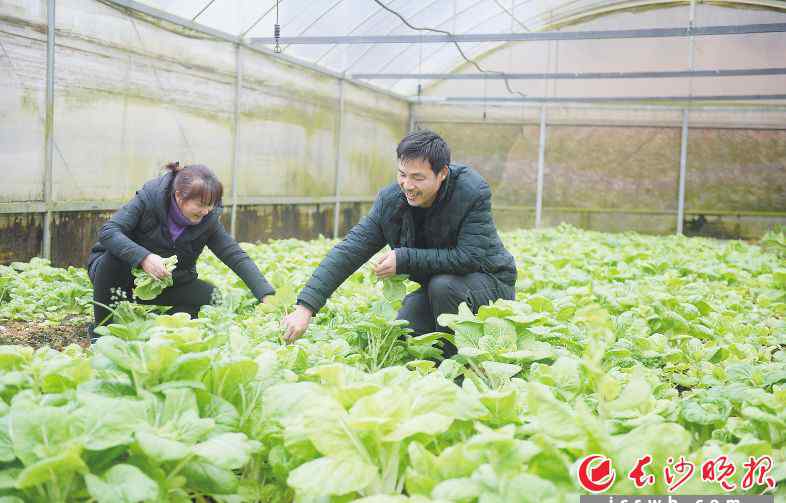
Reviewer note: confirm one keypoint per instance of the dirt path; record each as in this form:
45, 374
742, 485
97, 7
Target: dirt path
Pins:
37, 334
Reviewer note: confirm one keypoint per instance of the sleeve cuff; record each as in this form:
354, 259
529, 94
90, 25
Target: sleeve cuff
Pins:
138, 257
310, 302
265, 293
308, 306
402, 260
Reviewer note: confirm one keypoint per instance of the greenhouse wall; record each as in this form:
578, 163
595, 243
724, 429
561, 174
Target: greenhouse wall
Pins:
133, 93
617, 169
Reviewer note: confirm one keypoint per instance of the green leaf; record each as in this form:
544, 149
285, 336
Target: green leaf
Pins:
332, 476
394, 288
161, 449
430, 423
121, 484
499, 336
230, 374
500, 372
6, 447
457, 490
208, 478
147, 287
39, 432
227, 450
52, 468
106, 422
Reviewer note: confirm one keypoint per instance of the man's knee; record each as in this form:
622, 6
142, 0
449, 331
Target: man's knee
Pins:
446, 288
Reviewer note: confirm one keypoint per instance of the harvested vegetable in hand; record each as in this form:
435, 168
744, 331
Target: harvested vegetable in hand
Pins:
147, 287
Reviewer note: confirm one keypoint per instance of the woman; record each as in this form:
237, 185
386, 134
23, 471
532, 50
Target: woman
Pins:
175, 214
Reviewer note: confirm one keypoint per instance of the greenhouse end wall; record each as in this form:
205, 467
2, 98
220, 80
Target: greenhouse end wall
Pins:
617, 169
133, 93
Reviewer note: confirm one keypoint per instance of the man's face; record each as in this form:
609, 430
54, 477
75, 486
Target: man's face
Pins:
192, 209
418, 182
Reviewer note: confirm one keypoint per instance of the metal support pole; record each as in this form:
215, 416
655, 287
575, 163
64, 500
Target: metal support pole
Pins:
49, 127
684, 138
339, 141
683, 165
411, 116
235, 140
541, 159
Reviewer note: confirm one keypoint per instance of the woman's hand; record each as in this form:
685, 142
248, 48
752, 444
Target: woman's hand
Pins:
154, 266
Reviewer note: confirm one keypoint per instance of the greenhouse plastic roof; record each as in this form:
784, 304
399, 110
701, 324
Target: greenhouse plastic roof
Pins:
256, 19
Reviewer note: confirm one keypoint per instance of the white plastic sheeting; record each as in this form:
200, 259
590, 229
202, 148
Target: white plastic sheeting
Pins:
252, 18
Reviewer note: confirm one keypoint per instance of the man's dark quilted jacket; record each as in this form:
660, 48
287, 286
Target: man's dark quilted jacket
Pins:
460, 238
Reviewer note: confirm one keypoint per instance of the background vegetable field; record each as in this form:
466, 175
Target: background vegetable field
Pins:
617, 344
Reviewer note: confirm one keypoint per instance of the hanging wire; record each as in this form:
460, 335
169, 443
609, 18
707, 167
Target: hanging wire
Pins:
511, 14
458, 47
277, 32
259, 19
203, 10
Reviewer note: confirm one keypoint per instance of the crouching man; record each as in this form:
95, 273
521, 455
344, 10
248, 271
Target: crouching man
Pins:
437, 220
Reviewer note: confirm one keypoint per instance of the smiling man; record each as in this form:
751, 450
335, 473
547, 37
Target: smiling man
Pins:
437, 221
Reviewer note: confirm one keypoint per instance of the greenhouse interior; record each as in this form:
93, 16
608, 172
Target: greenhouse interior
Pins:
447, 251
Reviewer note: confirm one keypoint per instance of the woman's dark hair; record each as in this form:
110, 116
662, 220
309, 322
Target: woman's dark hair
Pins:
196, 181
424, 144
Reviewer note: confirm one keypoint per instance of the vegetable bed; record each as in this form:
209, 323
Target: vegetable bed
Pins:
620, 345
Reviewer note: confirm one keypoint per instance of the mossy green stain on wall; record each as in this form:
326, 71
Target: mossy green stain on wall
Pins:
735, 169
396, 125
79, 97
505, 155
611, 167
300, 180
28, 101
310, 119
367, 172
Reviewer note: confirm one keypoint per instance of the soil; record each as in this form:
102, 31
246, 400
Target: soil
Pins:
38, 334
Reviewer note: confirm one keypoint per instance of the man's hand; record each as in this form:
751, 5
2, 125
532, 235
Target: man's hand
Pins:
296, 323
154, 266
386, 265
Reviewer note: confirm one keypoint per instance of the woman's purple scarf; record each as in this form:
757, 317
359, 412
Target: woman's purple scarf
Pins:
176, 221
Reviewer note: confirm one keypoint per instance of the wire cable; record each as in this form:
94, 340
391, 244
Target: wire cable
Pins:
458, 47
203, 10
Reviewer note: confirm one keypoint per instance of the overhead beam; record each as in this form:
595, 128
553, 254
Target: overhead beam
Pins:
576, 99
108, 206
741, 29
736, 72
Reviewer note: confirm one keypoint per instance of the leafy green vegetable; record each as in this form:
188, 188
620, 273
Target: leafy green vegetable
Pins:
620, 345
148, 287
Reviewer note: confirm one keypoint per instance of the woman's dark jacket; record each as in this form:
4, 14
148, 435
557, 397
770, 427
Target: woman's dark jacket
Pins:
140, 228
458, 237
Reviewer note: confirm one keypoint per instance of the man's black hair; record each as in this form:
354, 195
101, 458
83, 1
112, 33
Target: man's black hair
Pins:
424, 144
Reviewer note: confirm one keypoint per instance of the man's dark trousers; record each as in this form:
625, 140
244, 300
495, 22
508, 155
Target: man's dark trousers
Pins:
443, 293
